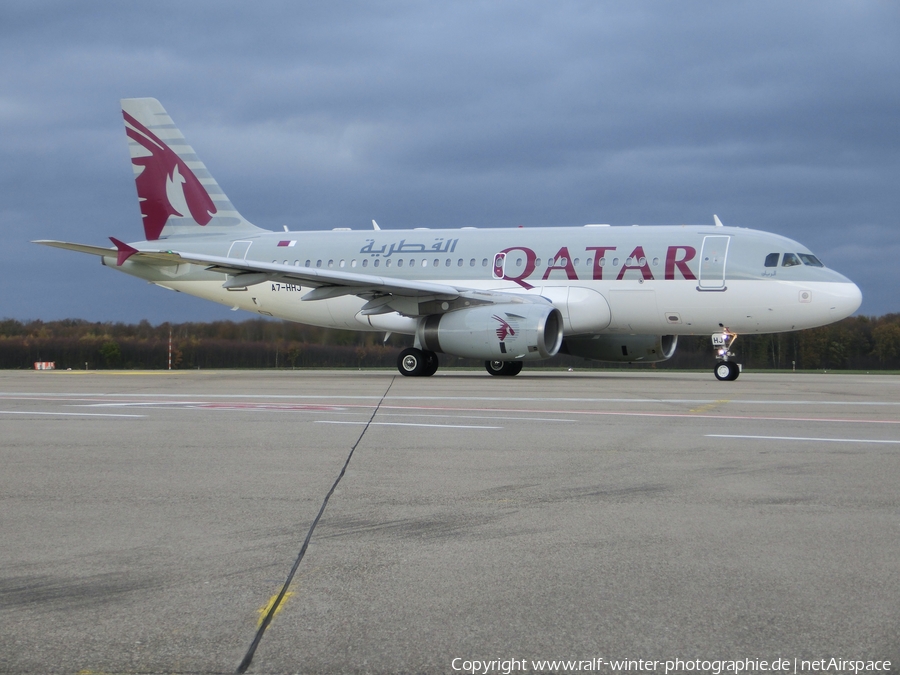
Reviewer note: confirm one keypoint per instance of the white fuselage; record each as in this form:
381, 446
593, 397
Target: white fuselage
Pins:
676, 280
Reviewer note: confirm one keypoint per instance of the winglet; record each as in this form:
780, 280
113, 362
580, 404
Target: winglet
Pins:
124, 251
716, 219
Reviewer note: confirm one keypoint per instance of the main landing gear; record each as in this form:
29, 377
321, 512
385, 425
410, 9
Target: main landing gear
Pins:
725, 370
414, 362
503, 368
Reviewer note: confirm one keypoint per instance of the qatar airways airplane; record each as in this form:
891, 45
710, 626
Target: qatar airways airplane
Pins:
502, 295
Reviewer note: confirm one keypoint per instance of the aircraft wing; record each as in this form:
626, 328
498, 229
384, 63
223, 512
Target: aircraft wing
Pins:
384, 294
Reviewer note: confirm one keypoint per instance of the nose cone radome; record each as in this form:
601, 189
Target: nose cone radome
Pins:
846, 299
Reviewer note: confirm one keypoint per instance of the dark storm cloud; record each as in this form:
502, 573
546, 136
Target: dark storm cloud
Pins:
774, 115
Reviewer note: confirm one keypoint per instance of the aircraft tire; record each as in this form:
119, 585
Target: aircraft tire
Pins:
431, 364
412, 362
503, 368
726, 371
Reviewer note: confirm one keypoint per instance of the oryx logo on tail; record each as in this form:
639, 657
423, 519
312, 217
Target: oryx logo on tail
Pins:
166, 186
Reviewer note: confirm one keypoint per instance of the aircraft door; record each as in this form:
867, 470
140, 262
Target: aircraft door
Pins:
239, 249
499, 269
712, 262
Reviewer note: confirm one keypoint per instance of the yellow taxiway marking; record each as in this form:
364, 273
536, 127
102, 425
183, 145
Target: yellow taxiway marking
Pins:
710, 406
265, 610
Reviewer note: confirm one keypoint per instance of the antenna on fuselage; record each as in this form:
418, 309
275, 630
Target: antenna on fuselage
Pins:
375, 225
715, 218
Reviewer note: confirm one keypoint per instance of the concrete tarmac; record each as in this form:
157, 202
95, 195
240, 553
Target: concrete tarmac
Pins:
147, 519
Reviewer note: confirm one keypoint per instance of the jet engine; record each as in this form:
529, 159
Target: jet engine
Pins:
627, 348
521, 332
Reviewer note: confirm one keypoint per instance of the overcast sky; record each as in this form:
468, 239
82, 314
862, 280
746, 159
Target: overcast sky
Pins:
780, 116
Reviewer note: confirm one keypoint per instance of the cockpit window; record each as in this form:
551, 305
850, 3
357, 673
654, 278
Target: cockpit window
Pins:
790, 260
810, 259
772, 260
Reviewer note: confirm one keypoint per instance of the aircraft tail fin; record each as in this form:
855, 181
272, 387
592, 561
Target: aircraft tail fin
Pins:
177, 194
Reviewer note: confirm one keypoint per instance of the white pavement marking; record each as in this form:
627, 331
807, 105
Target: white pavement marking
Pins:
281, 407
306, 408
625, 413
387, 408
511, 399
33, 412
408, 424
479, 417
801, 438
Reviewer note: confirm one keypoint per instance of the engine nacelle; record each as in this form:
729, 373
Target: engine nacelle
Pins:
520, 332
627, 348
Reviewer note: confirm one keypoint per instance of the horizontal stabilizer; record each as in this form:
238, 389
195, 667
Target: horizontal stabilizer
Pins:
151, 257
80, 248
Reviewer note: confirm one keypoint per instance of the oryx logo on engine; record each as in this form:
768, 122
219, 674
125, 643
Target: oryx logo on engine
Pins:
504, 330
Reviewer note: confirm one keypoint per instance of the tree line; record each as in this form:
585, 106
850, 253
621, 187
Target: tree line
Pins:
858, 343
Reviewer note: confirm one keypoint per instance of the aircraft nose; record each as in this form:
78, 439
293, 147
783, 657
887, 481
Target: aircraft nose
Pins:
846, 299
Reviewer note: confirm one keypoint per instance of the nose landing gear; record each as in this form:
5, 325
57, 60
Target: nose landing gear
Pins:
725, 370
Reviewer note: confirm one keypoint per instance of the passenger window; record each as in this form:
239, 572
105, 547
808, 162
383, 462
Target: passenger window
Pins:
790, 260
772, 260
811, 260
365, 262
